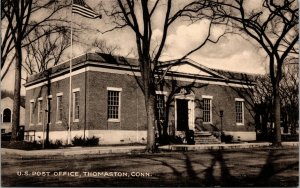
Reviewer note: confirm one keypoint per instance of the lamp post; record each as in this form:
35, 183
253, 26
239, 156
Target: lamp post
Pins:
221, 116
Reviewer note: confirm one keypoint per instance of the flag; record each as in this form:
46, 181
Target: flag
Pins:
81, 8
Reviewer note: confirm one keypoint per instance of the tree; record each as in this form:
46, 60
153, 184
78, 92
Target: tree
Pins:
138, 16
43, 53
289, 94
274, 27
20, 21
47, 51
104, 47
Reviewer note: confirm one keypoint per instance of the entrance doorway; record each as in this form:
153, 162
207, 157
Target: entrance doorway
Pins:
184, 111
182, 115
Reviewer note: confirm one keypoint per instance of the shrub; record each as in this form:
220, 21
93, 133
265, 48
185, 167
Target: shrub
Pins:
175, 140
58, 142
93, 141
54, 145
23, 145
290, 137
226, 138
79, 141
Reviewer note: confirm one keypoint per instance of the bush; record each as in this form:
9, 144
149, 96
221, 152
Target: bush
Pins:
54, 145
226, 138
79, 141
287, 137
94, 141
5, 136
175, 140
23, 145
58, 142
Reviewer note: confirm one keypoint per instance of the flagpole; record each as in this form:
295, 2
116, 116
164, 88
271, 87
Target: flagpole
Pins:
70, 76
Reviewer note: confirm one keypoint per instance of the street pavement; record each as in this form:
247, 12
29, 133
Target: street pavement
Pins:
263, 166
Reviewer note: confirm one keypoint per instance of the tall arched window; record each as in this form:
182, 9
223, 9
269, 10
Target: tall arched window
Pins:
6, 115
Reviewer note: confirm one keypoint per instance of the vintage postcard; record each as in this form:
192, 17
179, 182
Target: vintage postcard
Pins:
146, 93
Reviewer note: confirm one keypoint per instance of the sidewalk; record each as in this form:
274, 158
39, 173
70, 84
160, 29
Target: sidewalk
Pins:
129, 149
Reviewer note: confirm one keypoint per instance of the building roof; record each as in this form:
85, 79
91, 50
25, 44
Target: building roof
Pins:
119, 62
88, 57
22, 102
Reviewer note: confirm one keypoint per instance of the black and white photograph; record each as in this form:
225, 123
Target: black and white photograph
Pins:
149, 93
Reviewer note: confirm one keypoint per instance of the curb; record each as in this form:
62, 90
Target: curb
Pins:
70, 152
217, 146
131, 149
225, 146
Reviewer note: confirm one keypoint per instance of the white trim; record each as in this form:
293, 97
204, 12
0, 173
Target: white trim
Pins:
57, 111
207, 96
59, 94
210, 105
114, 120
161, 93
105, 136
114, 89
3, 115
73, 104
164, 94
187, 61
31, 104
113, 70
119, 107
75, 90
132, 73
208, 82
52, 80
243, 111
242, 135
191, 110
40, 103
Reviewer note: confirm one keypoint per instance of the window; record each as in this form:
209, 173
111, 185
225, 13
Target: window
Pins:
207, 109
160, 106
113, 105
239, 111
6, 115
40, 110
49, 108
59, 108
31, 111
76, 105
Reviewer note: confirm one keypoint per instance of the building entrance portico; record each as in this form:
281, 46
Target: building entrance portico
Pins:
184, 111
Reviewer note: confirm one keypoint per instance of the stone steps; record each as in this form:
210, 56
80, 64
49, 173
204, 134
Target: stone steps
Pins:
205, 137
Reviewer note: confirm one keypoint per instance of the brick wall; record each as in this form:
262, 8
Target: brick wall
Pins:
132, 103
223, 99
61, 86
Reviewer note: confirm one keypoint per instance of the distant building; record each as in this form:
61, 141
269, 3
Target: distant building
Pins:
108, 103
6, 113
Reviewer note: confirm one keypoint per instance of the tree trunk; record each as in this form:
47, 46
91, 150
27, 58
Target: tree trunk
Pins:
277, 135
17, 91
150, 109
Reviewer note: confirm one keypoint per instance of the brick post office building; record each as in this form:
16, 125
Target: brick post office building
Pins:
107, 102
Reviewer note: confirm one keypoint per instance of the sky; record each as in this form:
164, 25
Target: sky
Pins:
232, 52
